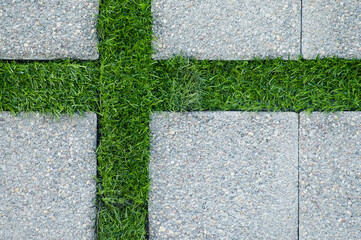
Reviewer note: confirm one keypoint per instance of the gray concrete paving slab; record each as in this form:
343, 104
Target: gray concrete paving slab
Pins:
47, 189
330, 176
331, 28
48, 29
227, 29
223, 175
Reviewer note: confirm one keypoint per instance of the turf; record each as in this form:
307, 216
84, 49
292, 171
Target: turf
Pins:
126, 85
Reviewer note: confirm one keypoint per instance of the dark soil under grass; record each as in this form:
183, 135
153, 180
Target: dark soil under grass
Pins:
126, 85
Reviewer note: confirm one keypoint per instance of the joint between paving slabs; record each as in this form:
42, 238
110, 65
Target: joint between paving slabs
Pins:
298, 176
301, 23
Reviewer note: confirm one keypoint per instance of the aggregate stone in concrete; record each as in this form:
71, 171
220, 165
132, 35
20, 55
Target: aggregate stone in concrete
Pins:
47, 189
226, 29
330, 176
331, 28
48, 29
223, 175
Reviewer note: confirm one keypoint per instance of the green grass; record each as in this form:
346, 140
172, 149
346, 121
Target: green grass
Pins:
126, 85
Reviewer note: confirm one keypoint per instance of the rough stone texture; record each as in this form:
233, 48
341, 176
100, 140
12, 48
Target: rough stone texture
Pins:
48, 29
223, 175
330, 176
47, 189
226, 29
331, 28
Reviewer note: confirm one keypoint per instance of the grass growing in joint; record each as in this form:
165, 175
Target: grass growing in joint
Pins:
126, 85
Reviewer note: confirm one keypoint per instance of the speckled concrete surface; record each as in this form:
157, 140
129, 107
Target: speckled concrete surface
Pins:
227, 29
331, 28
223, 175
48, 29
47, 189
330, 176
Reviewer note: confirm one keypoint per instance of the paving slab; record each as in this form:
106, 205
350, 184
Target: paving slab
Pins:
331, 28
226, 29
47, 189
330, 176
223, 175
48, 29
